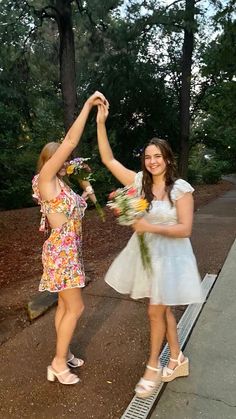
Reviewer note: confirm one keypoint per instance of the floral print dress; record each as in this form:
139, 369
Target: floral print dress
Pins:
62, 251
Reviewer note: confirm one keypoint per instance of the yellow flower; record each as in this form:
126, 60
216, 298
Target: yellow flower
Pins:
70, 169
141, 205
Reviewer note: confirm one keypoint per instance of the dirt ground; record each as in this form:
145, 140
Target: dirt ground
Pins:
20, 254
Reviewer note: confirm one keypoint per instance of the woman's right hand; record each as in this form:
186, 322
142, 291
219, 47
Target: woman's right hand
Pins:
96, 99
102, 114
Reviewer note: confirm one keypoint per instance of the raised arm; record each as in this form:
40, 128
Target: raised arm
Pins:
124, 175
71, 140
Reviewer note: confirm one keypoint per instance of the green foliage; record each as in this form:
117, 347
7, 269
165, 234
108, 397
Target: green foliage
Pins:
30, 106
130, 75
204, 166
215, 124
16, 174
132, 54
211, 174
194, 177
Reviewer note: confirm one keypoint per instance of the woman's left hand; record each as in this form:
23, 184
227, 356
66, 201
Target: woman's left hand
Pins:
102, 114
142, 226
97, 99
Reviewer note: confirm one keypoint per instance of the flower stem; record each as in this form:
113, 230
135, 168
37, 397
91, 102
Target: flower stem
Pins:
145, 255
100, 211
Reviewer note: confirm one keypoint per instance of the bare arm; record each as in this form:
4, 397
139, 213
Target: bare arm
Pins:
183, 228
124, 175
71, 140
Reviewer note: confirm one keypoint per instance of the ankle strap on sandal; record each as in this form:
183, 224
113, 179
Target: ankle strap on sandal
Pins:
153, 369
178, 359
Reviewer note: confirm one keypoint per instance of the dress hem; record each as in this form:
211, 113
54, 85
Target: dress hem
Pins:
66, 288
201, 301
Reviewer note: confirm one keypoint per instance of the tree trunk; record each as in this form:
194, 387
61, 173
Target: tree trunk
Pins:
67, 61
185, 87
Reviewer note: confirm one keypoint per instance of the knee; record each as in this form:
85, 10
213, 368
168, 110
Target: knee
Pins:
60, 304
170, 317
81, 309
168, 312
76, 311
156, 312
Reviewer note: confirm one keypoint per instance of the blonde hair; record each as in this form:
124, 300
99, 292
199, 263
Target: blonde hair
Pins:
46, 153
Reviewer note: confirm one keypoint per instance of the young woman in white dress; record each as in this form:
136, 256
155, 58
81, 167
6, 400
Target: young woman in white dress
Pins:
167, 226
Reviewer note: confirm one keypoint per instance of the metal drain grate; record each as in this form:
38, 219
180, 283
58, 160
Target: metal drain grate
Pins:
140, 408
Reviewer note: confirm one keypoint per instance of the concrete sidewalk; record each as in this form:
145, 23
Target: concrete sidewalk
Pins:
210, 390
113, 338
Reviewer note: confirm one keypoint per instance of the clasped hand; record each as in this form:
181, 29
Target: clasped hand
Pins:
97, 99
141, 226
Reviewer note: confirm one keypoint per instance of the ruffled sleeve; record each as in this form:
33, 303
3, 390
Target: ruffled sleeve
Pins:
138, 181
180, 188
44, 226
35, 187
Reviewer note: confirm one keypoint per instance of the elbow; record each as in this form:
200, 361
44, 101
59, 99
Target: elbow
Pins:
184, 232
187, 233
187, 236
107, 163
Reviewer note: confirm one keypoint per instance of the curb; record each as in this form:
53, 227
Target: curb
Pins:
40, 303
43, 301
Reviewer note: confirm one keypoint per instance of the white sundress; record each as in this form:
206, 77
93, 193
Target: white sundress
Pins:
175, 278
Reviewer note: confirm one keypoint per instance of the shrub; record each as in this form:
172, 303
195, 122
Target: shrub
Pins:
194, 176
211, 175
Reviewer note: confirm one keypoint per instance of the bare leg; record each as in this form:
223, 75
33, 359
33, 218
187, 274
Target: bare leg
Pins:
65, 324
60, 311
157, 319
172, 337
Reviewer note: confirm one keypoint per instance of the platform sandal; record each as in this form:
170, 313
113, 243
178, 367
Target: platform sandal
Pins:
74, 362
64, 377
181, 369
145, 388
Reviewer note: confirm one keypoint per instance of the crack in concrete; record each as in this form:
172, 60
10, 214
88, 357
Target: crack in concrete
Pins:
203, 397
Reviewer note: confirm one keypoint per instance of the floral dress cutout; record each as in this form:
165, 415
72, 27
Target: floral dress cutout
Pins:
62, 252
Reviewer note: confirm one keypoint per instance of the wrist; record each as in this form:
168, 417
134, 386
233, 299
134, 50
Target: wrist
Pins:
155, 228
87, 106
101, 127
89, 190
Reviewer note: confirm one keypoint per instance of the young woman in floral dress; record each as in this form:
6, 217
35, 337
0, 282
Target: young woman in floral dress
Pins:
63, 271
167, 226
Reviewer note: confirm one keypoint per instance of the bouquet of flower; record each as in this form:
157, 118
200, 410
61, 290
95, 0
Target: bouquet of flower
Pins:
127, 206
79, 168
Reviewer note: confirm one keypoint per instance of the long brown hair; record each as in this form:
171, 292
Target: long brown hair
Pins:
46, 153
171, 171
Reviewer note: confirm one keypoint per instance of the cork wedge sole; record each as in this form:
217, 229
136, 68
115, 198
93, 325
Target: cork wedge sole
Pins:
181, 370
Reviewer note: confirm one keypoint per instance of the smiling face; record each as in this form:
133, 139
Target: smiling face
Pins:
154, 160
